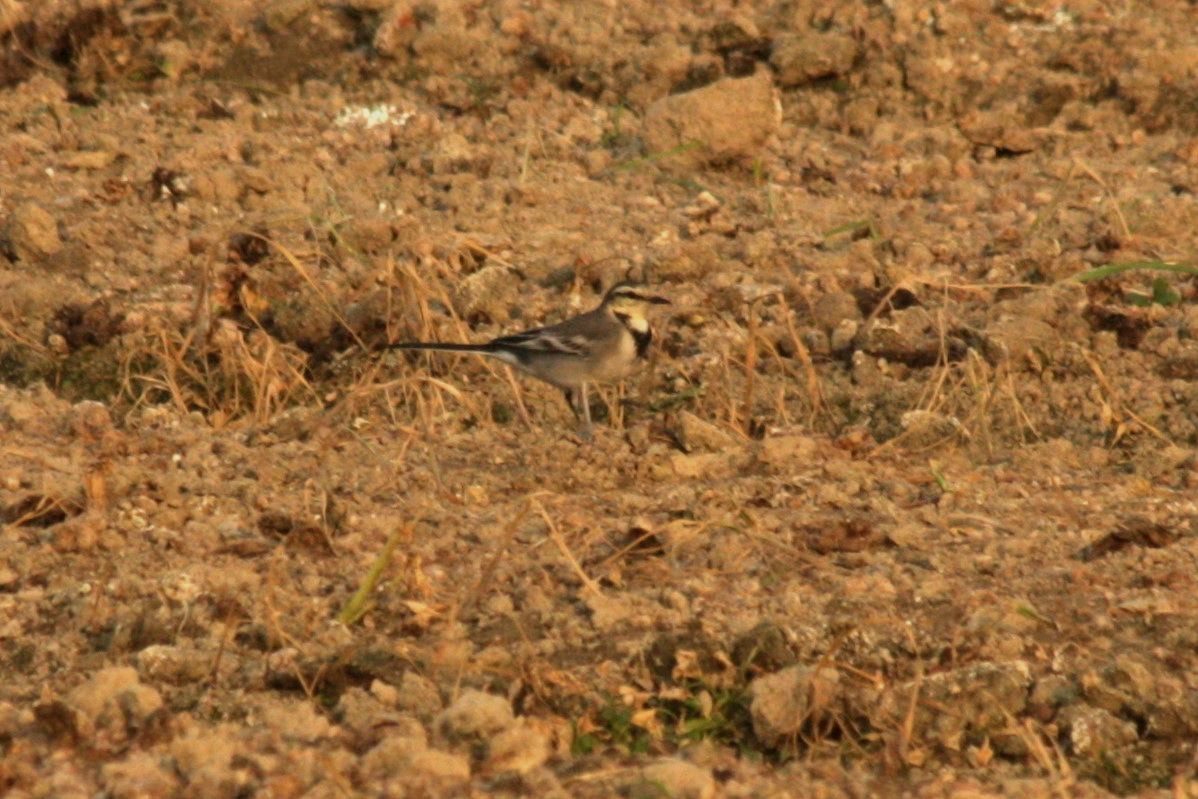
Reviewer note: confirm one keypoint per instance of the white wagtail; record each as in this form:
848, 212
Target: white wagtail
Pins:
600, 346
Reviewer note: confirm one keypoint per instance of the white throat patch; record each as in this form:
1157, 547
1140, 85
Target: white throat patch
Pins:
637, 323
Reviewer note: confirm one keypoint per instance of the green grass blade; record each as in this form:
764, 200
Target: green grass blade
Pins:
358, 604
1109, 270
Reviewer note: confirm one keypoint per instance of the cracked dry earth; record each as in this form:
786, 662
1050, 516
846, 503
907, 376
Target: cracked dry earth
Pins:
902, 505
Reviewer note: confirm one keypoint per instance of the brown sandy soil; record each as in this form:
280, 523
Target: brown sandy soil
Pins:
905, 503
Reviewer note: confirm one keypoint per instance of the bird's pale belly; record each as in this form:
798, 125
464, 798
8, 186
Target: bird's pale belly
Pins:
568, 371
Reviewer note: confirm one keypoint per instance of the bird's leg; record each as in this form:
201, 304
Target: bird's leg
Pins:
571, 400
586, 408
580, 405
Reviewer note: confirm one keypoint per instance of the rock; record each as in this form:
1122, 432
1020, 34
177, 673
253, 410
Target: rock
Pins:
418, 696
787, 700
396, 31
1014, 337
79, 534
90, 420
455, 153
390, 756
763, 648
842, 337
475, 713
704, 464
441, 766
31, 234
114, 707
295, 720
1050, 694
609, 612
833, 308
787, 452
174, 58
699, 433
368, 234
106, 687
278, 14
983, 696
520, 748
1001, 130
483, 293
88, 159
204, 760
140, 776
678, 779
908, 336
173, 664
368, 720
1094, 732
803, 57
728, 120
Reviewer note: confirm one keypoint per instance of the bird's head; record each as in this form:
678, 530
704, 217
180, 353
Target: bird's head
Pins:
627, 298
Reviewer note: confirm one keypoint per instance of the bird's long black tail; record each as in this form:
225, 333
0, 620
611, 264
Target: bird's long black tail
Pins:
482, 349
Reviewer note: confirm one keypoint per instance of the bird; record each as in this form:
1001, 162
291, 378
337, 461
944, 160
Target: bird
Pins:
603, 345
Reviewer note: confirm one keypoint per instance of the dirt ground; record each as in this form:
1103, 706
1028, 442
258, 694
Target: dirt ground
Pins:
904, 503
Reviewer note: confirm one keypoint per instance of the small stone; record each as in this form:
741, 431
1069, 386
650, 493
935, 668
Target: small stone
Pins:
438, 765
454, 153
1050, 694
91, 421
678, 779
787, 452
79, 534
174, 57
173, 664
764, 648
396, 31
389, 756
295, 720
8, 577
705, 464
1094, 732
844, 334
475, 713
31, 234
783, 702
608, 612
203, 757
482, 293
114, 705
596, 161
256, 179
983, 695
1001, 130
418, 696
278, 14
88, 159
699, 433
385, 693
368, 234
140, 776
803, 57
520, 748
830, 309
728, 120
1014, 337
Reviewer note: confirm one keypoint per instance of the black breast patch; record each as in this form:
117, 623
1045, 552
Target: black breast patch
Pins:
643, 338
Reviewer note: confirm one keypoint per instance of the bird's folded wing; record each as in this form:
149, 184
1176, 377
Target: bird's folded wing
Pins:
545, 341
